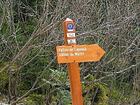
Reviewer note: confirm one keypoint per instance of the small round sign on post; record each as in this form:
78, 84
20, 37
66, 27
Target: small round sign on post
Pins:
70, 27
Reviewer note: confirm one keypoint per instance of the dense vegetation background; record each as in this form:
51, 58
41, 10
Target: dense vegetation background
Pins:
31, 29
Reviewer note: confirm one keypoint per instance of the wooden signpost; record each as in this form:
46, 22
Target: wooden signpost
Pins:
72, 54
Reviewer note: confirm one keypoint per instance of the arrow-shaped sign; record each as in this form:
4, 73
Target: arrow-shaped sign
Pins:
79, 53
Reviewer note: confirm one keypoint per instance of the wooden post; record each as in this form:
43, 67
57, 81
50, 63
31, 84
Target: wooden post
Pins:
73, 68
72, 54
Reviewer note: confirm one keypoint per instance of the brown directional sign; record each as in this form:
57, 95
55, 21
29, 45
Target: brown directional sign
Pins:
79, 53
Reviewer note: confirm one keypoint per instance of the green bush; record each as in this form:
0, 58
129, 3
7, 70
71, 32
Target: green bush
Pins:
96, 93
34, 99
3, 79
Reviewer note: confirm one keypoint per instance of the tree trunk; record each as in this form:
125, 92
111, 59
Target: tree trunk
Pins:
12, 89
